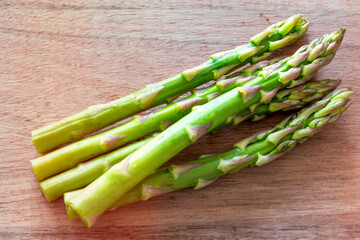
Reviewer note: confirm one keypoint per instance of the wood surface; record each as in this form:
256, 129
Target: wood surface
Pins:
58, 57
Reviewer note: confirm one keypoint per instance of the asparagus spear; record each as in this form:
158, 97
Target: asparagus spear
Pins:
98, 196
100, 116
68, 156
259, 149
84, 174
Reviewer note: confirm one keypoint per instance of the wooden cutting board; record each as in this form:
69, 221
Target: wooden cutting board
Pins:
58, 57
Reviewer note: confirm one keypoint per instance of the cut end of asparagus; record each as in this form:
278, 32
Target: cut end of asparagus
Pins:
71, 214
34, 140
47, 195
35, 167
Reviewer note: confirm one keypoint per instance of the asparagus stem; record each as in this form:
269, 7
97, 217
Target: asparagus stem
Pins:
84, 174
257, 150
100, 116
111, 186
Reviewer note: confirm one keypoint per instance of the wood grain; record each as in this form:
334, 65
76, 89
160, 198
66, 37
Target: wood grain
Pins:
58, 57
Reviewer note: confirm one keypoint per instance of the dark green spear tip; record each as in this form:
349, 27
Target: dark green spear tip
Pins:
324, 85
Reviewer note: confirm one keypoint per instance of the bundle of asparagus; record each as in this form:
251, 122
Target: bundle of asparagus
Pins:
256, 150
100, 116
274, 37
83, 174
101, 194
128, 174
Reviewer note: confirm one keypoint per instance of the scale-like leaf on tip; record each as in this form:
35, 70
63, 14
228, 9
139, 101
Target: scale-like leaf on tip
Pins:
188, 103
109, 141
201, 183
196, 131
149, 191
244, 53
226, 165
248, 92
178, 170
275, 137
145, 99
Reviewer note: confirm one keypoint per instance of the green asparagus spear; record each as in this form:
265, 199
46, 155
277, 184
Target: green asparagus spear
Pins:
68, 156
100, 116
259, 149
84, 174
98, 196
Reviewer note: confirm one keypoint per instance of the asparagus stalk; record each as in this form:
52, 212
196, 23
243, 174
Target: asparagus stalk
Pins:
98, 196
68, 156
84, 174
257, 150
100, 116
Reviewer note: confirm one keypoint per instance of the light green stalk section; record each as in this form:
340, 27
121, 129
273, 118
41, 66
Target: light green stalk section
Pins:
100, 116
256, 150
84, 174
101, 194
